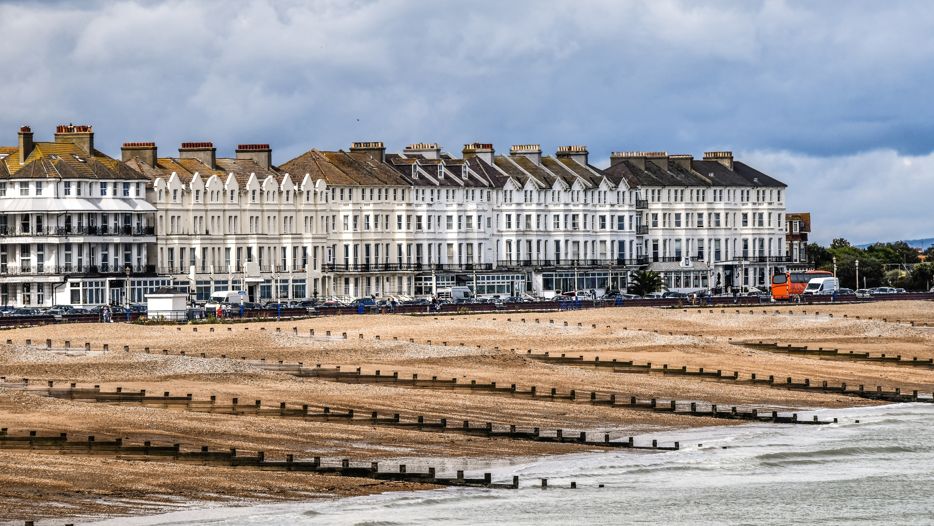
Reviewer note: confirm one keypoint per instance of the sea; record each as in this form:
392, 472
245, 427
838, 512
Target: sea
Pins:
875, 466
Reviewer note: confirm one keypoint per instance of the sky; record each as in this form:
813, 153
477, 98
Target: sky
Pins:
832, 98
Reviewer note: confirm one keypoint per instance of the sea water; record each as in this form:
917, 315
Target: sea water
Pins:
877, 471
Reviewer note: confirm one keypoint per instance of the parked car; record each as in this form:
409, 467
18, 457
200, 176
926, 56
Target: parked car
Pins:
845, 291
900, 290
882, 290
863, 293
654, 295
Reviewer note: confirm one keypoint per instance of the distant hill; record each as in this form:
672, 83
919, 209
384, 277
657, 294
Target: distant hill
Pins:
922, 244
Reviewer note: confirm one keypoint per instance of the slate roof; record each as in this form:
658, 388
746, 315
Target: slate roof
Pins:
703, 173
342, 168
185, 169
61, 160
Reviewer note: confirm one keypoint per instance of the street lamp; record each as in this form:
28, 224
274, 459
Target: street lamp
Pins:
857, 273
835, 266
126, 300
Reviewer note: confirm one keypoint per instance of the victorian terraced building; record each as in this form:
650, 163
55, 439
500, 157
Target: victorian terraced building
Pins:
363, 222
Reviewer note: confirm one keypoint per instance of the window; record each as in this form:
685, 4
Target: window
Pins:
126, 189
3, 189
66, 188
23, 188
104, 190
38, 187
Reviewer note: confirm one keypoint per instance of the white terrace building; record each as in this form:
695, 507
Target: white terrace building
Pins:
361, 222
75, 227
713, 223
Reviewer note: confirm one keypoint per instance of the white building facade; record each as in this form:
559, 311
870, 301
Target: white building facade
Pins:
363, 222
75, 226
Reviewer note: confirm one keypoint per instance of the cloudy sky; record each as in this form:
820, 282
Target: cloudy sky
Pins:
834, 98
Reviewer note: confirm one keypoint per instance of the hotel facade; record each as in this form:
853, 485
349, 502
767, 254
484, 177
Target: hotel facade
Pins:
364, 222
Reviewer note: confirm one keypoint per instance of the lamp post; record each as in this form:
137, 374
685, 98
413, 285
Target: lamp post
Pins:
857, 273
126, 299
835, 266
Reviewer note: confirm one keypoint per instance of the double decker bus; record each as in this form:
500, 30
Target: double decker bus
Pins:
790, 285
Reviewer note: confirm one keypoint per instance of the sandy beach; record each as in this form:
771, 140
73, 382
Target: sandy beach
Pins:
486, 348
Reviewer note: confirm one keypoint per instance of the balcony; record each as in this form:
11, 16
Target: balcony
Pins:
72, 270
406, 267
568, 263
642, 204
125, 230
642, 230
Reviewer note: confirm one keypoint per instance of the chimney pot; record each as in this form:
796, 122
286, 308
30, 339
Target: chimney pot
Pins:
261, 154
723, 157
576, 153
144, 151
375, 149
81, 135
532, 152
25, 143
481, 150
202, 151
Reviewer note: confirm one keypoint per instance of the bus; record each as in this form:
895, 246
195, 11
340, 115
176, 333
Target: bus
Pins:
790, 285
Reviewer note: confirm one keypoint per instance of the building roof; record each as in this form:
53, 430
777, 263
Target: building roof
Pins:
343, 168
703, 173
186, 168
63, 160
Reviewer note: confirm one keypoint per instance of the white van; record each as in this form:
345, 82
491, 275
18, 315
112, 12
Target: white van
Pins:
822, 286
225, 297
455, 294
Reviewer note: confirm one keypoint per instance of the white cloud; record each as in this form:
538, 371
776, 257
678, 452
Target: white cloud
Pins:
821, 81
877, 195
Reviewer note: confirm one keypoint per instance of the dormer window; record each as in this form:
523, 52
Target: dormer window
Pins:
233, 196
252, 196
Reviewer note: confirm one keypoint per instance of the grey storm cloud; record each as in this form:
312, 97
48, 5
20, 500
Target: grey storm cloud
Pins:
831, 97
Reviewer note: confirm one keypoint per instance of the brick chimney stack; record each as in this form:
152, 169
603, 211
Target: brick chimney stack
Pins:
482, 151
375, 149
532, 152
25, 143
202, 151
725, 158
80, 135
260, 154
144, 151
578, 154
426, 150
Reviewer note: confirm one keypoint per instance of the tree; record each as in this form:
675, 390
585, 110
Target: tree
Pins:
929, 254
644, 282
896, 278
922, 276
839, 243
818, 255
